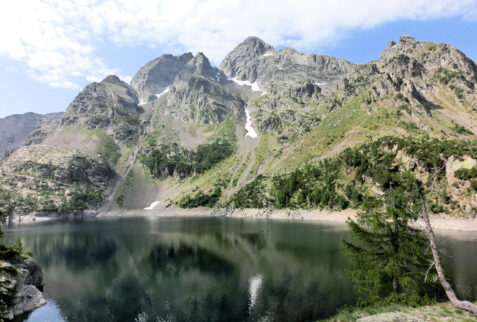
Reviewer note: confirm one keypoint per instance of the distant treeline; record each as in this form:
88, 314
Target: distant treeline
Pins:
169, 160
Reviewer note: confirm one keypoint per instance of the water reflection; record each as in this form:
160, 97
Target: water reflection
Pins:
192, 269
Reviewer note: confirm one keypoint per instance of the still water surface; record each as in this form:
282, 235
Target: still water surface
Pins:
202, 269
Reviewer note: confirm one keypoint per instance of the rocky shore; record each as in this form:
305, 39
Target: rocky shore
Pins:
439, 222
21, 285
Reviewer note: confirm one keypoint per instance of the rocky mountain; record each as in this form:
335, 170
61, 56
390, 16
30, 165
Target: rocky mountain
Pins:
259, 63
190, 134
154, 77
14, 129
111, 104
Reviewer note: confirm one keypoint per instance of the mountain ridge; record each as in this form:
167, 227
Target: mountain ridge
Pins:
159, 134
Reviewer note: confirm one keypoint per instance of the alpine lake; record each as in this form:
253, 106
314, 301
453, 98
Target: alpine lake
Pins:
204, 269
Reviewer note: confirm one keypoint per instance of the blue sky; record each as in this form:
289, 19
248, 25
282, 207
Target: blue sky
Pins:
50, 51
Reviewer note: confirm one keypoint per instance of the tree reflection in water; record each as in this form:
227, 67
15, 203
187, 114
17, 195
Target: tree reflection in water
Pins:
184, 269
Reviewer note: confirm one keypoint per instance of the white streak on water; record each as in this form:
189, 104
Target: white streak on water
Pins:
248, 126
152, 206
254, 286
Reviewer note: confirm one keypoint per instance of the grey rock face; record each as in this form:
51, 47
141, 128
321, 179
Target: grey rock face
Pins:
44, 128
14, 129
111, 104
102, 100
256, 61
54, 171
26, 285
199, 93
199, 67
159, 73
430, 55
248, 50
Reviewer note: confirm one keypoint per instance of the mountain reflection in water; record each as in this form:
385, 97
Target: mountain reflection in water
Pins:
189, 269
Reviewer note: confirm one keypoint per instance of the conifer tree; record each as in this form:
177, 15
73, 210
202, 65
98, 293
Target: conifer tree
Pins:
388, 257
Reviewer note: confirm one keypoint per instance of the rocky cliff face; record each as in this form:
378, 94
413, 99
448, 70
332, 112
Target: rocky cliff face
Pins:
67, 179
21, 283
14, 129
256, 61
154, 77
200, 94
111, 104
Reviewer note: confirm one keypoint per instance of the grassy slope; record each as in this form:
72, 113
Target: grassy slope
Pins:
437, 312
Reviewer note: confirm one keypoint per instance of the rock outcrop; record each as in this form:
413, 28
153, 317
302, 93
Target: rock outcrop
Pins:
155, 76
256, 61
21, 285
14, 129
111, 104
67, 179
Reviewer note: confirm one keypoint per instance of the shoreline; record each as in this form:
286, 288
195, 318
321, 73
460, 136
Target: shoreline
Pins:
439, 222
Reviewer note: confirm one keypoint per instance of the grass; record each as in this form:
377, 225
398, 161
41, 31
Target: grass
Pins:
436, 312
265, 149
107, 148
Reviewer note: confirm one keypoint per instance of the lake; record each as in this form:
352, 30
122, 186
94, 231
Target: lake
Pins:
203, 269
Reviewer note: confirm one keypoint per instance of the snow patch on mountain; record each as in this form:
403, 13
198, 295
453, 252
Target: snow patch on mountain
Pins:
248, 126
163, 92
254, 85
152, 206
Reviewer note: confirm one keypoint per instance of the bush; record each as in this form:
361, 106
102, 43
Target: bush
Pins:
461, 129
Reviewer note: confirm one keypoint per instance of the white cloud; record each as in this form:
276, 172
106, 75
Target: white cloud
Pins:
58, 40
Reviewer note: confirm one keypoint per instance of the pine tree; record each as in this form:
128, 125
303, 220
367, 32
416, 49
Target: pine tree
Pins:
388, 257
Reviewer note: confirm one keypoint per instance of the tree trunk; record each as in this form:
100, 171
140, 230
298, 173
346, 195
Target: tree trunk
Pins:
463, 305
395, 284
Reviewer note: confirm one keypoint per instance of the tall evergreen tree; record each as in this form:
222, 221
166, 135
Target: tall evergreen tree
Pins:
388, 257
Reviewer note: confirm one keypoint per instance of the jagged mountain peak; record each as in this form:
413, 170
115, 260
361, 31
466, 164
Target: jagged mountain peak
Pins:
113, 79
428, 56
105, 105
257, 62
154, 77
249, 49
255, 46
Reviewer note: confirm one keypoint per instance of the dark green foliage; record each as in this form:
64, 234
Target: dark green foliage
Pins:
81, 199
310, 187
173, 160
403, 107
466, 174
252, 195
109, 150
473, 185
445, 76
343, 181
201, 199
348, 87
8, 253
120, 200
459, 92
409, 126
461, 129
388, 257
401, 59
